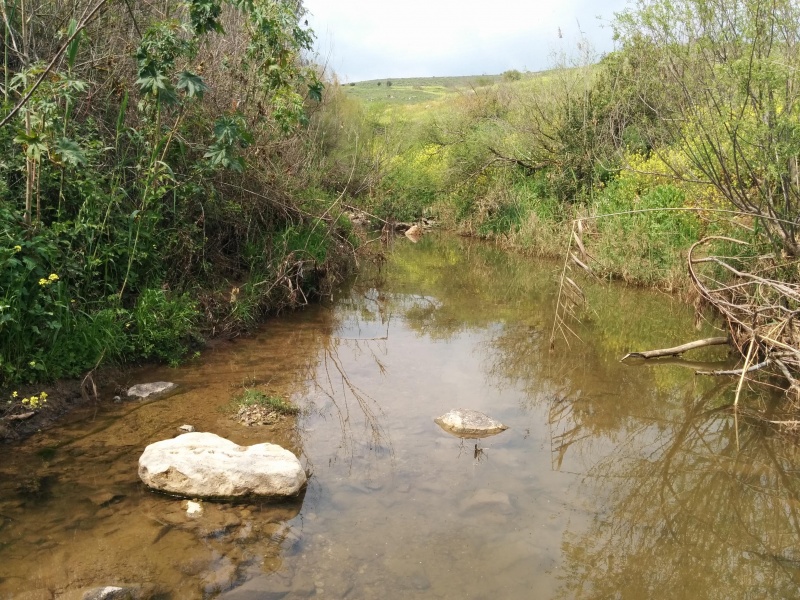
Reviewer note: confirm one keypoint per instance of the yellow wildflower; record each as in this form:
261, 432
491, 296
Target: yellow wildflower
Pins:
14, 394
52, 277
17, 248
43, 395
43, 282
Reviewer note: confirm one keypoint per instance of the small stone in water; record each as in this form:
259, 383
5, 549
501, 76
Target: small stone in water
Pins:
145, 390
194, 509
467, 423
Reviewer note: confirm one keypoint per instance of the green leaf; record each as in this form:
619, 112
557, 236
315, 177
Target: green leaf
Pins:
193, 84
315, 91
69, 152
205, 15
34, 147
72, 49
153, 82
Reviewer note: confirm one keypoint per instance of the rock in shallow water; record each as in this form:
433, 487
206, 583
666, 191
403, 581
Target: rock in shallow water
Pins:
113, 592
205, 465
468, 423
146, 390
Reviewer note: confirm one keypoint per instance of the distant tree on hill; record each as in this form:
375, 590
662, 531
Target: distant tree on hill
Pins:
512, 75
388, 84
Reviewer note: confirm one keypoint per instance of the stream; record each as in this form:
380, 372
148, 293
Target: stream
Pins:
612, 481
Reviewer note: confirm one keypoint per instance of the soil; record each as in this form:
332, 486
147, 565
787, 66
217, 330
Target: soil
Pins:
66, 395
62, 397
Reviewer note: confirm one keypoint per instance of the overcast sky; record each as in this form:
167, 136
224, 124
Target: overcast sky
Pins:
376, 39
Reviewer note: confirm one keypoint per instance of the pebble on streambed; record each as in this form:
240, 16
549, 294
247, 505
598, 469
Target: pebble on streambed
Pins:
255, 414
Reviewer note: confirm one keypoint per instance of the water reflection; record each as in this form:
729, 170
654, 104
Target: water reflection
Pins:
612, 481
695, 508
691, 497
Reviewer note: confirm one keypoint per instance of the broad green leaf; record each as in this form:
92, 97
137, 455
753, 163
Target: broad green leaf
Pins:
192, 83
70, 152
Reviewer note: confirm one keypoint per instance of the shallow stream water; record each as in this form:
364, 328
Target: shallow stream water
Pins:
612, 481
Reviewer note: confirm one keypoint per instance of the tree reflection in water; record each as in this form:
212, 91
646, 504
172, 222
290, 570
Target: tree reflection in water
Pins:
691, 502
688, 501
689, 514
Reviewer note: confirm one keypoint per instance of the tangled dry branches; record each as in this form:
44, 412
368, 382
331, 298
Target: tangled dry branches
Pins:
759, 303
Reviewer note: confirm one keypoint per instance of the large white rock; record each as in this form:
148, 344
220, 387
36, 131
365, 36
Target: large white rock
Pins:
468, 423
205, 465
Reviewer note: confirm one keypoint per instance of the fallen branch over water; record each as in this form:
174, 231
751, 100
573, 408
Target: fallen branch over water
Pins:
715, 341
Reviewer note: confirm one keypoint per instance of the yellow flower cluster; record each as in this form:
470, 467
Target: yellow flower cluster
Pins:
36, 401
17, 248
50, 279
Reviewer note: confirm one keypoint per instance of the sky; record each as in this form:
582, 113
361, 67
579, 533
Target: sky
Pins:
376, 39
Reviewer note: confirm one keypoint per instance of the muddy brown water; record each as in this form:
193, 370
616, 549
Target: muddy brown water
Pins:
613, 481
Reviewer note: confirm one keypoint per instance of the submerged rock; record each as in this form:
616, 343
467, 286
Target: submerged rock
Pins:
205, 465
102, 499
255, 414
194, 509
467, 423
112, 592
414, 233
147, 390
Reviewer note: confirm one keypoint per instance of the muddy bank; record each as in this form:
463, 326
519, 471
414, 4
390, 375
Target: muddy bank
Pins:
70, 398
63, 396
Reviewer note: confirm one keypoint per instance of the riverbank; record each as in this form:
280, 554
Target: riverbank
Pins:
237, 317
102, 387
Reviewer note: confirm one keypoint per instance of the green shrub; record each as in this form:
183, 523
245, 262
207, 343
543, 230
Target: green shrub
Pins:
308, 241
645, 247
164, 325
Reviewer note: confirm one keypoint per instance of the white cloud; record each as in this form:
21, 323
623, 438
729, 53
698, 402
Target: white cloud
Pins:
374, 39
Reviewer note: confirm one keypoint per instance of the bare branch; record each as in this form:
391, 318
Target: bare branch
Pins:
715, 341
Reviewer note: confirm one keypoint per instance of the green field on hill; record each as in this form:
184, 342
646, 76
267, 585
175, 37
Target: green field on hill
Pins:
413, 90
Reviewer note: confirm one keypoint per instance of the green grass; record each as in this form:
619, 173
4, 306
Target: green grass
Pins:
254, 397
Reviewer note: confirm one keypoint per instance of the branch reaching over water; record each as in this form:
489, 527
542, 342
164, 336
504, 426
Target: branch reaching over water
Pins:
715, 341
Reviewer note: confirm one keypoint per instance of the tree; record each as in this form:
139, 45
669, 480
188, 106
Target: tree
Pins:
733, 107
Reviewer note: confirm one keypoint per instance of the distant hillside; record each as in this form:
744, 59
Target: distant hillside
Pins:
411, 90
447, 82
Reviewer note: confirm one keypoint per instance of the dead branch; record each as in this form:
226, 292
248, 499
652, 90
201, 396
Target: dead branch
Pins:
529, 168
742, 371
20, 417
759, 303
715, 341
570, 296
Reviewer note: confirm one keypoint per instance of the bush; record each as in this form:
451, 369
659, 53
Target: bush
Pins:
164, 325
